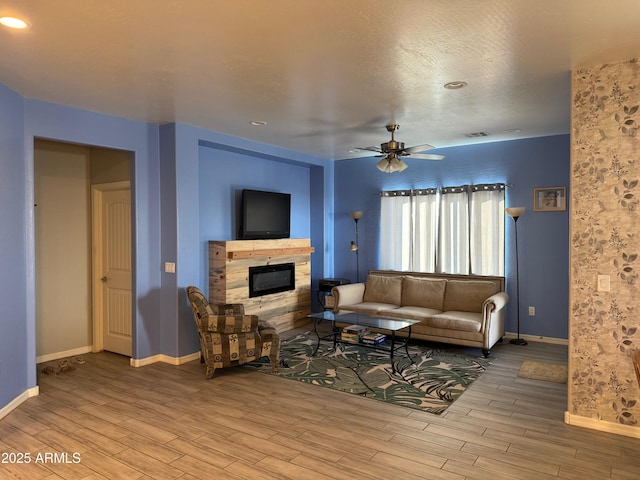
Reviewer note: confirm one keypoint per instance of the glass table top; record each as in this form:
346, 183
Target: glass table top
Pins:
366, 319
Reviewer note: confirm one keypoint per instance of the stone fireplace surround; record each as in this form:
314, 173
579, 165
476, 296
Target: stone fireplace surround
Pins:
229, 263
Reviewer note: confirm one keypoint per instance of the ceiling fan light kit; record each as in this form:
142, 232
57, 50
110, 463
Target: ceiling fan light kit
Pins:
391, 164
393, 150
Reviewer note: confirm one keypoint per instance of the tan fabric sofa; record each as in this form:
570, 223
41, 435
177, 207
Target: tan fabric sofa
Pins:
458, 309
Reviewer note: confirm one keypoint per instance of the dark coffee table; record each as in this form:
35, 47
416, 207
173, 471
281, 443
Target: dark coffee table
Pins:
387, 325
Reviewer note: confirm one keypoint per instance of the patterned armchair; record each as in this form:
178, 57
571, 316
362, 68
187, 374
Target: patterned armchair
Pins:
228, 337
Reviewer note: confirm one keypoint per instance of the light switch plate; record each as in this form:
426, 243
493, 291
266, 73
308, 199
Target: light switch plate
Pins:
604, 283
170, 267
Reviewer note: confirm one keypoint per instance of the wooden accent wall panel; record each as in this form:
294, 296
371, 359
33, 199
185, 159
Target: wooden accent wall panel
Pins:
229, 263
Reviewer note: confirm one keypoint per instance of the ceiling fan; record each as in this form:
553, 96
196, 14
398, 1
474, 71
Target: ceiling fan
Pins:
393, 150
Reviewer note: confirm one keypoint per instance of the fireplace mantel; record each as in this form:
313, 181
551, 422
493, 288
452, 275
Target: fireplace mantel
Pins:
229, 262
269, 252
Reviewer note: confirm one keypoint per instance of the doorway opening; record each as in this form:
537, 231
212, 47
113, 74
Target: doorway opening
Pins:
64, 178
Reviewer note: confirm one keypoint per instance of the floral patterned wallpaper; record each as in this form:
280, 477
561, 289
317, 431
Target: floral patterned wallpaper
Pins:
605, 240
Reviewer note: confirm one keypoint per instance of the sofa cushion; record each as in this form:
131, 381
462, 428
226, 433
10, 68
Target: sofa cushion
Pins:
452, 320
467, 295
368, 307
383, 289
423, 292
411, 312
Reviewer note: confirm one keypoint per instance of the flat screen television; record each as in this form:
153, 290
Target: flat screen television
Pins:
264, 215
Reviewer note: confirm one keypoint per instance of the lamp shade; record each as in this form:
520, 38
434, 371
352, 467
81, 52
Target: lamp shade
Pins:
515, 212
397, 164
356, 215
382, 165
391, 163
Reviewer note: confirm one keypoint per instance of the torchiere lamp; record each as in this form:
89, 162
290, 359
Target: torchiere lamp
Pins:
515, 213
356, 215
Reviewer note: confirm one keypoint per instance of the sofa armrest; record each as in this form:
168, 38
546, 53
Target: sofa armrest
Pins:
349, 294
495, 302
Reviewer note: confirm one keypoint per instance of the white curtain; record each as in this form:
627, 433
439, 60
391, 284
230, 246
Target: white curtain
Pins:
396, 218
425, 231
450, 230
453, 241
487, 230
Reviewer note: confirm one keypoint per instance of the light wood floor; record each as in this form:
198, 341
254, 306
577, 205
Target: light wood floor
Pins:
163, 421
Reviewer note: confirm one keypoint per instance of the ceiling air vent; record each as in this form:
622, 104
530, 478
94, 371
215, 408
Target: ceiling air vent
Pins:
476, 134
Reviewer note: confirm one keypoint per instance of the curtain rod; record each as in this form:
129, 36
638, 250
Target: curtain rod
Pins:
434, 190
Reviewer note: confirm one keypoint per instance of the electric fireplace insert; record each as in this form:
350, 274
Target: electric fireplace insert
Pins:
268, 279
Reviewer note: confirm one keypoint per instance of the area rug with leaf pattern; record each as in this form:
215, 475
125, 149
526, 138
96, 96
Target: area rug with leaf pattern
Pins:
434, 380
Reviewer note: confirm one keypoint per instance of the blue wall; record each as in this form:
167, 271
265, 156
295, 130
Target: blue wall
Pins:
17, 337
260, 165
543, 237
223, 175
56, 122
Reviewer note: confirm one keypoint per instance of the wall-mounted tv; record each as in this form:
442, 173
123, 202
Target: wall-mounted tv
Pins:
264, 215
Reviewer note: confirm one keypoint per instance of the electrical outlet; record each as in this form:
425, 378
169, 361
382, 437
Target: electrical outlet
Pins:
532, 311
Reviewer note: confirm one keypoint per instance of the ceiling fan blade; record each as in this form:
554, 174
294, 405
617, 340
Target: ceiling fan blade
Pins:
419, 148
426, 156
365, 150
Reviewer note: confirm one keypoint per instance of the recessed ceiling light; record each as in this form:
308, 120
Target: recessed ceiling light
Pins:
258, 123
513, 130
13, 22
455, 85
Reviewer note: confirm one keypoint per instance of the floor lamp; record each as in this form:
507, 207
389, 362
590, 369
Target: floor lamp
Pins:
515, 213
357, 215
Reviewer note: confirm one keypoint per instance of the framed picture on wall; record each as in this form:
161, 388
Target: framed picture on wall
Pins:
550, 199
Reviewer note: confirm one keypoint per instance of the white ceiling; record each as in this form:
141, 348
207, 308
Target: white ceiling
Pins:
326, 75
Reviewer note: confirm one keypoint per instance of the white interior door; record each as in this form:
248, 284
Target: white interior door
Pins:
114, 275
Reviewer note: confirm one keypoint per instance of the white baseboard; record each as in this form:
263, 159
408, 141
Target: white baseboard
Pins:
535, 338
15, 403
68, 353
133, 362
141, 362
601, 426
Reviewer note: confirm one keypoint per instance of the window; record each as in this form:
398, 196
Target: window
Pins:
448, 230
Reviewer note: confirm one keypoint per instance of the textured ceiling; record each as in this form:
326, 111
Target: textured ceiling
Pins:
326, 75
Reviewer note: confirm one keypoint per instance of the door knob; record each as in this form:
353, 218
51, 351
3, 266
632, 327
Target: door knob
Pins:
103, 279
